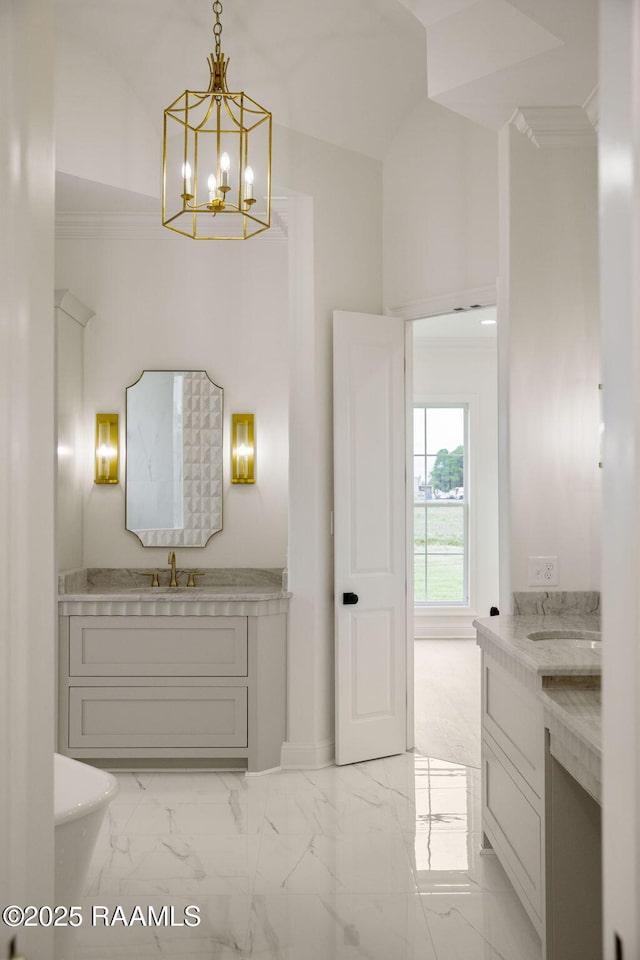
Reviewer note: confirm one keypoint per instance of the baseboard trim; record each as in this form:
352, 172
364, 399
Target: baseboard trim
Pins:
454, 627
307, 756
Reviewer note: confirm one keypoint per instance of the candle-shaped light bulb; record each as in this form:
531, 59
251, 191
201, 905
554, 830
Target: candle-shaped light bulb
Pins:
211, 183
243, 450
248, 183
105, 450
186, 176
243, 461
225, 163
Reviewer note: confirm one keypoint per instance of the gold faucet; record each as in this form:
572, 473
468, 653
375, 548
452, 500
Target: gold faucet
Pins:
172, 561
191, 580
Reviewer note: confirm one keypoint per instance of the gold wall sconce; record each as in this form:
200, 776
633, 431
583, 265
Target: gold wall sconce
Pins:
243, 448
107, 448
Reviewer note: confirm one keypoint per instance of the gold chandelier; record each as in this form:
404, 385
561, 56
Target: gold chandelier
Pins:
216, 159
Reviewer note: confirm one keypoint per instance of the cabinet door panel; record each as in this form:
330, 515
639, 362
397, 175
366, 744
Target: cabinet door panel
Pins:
516, 825
135, 717
158, 647
514, 718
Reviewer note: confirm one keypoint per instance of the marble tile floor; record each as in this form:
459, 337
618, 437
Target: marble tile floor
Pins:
377, 860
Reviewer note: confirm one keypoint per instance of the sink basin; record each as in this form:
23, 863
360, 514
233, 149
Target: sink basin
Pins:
583, 639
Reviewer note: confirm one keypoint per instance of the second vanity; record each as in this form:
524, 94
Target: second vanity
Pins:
173, 676
541, 758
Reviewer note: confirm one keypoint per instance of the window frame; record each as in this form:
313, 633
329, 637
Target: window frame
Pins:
464, 504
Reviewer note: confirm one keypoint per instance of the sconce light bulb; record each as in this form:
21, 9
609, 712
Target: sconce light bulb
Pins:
248, 176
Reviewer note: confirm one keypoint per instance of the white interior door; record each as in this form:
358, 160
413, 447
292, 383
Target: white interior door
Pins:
369, 527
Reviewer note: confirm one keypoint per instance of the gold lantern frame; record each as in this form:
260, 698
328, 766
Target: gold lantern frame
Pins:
206, 127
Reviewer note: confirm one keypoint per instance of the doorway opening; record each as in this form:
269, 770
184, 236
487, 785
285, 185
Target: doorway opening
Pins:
454, 490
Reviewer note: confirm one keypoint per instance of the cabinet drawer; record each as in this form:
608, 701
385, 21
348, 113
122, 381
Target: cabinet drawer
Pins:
157, 717
158, 647
516, 829
514, 718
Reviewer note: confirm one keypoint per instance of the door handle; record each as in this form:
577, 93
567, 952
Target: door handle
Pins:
348, 598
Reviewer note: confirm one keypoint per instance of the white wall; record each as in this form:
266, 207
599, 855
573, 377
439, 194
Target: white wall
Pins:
178, 304
457, 373
27, 468
548, 334
440, 207
71, 317
336, 263
620, 267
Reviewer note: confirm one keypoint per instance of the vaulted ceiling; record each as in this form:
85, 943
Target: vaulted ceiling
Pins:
350, 71
345, 71
486, 57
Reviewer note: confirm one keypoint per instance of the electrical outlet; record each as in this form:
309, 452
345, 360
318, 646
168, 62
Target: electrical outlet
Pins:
543, 571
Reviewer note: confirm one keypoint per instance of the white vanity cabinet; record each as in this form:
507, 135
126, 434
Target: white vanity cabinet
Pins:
521, 679
513, 763
204, 689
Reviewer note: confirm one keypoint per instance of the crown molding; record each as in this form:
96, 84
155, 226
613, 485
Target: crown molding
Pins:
446, 303
69, 304
554, 126
103, 225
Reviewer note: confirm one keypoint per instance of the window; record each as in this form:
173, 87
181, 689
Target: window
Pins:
441, 498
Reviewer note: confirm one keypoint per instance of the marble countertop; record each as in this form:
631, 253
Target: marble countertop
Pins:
579, 711
564, 657
126, 583
121, 591
557, 670
574, 721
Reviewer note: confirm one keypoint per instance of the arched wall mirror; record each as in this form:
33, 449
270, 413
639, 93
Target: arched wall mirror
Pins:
174, 458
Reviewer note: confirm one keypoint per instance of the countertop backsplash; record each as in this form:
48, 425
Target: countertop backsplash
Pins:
569, 602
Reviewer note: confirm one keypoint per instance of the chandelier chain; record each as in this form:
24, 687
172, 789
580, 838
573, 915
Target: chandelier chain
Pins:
217, 27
